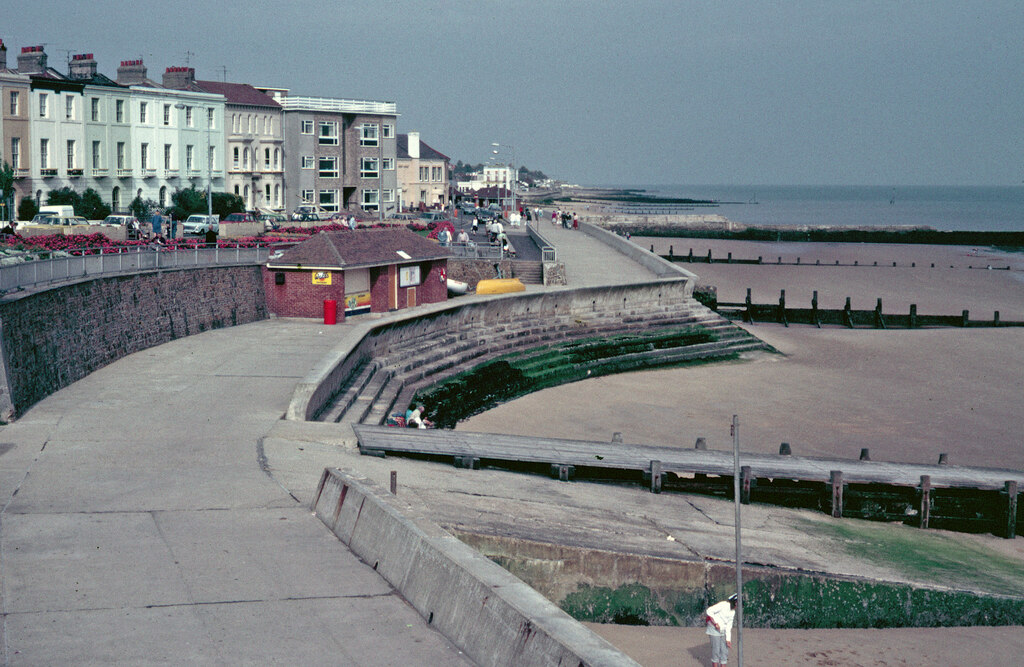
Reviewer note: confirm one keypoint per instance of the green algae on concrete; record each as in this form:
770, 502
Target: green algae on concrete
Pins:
924, 556
513, 375
632, 604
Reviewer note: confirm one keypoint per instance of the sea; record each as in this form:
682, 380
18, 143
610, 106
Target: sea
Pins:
958, 208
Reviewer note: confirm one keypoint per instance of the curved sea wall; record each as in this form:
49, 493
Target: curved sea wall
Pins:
371, 340
51, 338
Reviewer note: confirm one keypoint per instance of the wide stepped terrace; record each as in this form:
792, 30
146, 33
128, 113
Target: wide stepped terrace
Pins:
463, 360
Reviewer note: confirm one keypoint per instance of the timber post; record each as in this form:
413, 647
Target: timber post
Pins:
965, 318
394, 482
745, 483
814, 310
913, 316
562, 471
836, 481
655, 476
848, 314
925, 495
879, 322
1010, 489
782, 308
748, 314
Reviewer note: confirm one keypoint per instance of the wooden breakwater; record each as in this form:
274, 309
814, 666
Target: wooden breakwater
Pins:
968, 499
709, 258
780, 313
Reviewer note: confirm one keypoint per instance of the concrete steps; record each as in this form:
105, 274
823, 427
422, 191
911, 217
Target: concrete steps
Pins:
388, 383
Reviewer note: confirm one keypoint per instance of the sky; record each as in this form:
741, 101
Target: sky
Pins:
638, 92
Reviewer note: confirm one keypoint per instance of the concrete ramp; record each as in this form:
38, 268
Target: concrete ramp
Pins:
492, 616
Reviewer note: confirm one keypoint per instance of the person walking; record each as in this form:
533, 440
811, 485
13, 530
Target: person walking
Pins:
719, 618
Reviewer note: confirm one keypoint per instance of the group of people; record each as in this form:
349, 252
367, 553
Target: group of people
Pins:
569, 220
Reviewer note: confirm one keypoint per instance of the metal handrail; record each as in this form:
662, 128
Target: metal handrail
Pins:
28, 269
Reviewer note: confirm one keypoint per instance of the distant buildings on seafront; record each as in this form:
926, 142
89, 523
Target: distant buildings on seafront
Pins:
135, 137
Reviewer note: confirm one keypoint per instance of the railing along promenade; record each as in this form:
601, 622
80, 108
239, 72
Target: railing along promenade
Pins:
32, 268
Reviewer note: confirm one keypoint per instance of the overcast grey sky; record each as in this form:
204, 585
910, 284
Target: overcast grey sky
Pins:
605, 92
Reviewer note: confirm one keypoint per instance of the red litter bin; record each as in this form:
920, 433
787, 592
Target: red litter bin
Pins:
330, 311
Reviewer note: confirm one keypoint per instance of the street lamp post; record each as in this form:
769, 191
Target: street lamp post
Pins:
209, 160
514, 176
209, 157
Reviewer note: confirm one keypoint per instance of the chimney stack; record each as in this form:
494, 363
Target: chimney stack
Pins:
82, 66
3, 55
131, 72
179, 78
31, 60
414, 145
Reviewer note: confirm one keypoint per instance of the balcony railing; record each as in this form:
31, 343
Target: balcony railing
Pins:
149, 173
99, 172
124, 173
341, 106
47, 173
21, 173
170, 173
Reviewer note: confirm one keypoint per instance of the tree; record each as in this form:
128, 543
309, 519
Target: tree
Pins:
7, 190
224, 204
93, 207
65, 196
186, 202
27, 209
142, 208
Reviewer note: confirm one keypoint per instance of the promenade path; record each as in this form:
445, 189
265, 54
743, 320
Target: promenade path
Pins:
137, 524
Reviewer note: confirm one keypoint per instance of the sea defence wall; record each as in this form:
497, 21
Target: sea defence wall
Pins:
53, 337
492, 616
370, 340
659, 266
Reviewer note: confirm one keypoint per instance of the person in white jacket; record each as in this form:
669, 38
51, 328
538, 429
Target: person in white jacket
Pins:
719, 618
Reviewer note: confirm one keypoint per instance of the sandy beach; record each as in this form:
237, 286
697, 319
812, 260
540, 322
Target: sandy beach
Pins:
934, 647
905, 395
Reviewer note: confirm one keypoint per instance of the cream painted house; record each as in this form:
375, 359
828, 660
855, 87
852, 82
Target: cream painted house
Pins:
422, 173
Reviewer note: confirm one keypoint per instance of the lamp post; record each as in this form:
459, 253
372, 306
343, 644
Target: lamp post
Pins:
210, 112
209, 158
514, 176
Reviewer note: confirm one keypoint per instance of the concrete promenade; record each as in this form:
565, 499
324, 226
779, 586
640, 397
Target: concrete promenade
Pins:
138, 525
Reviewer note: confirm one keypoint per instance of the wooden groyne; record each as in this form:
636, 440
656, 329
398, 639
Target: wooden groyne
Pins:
964, 498
780, 313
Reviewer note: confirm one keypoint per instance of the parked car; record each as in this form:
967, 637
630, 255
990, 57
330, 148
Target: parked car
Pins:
240, 217
433, 216
403, 216
200, 224
272, 221
121, 220
50, 219
484, 214
467, 207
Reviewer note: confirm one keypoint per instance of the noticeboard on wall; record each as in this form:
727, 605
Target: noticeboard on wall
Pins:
321, 277
409, 276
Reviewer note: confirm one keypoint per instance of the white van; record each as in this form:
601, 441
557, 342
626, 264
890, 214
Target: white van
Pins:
60, 211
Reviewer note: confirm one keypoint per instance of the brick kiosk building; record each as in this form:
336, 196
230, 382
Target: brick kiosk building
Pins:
366, 270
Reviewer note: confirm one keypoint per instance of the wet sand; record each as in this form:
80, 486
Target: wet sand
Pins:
905, 395
938, 647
